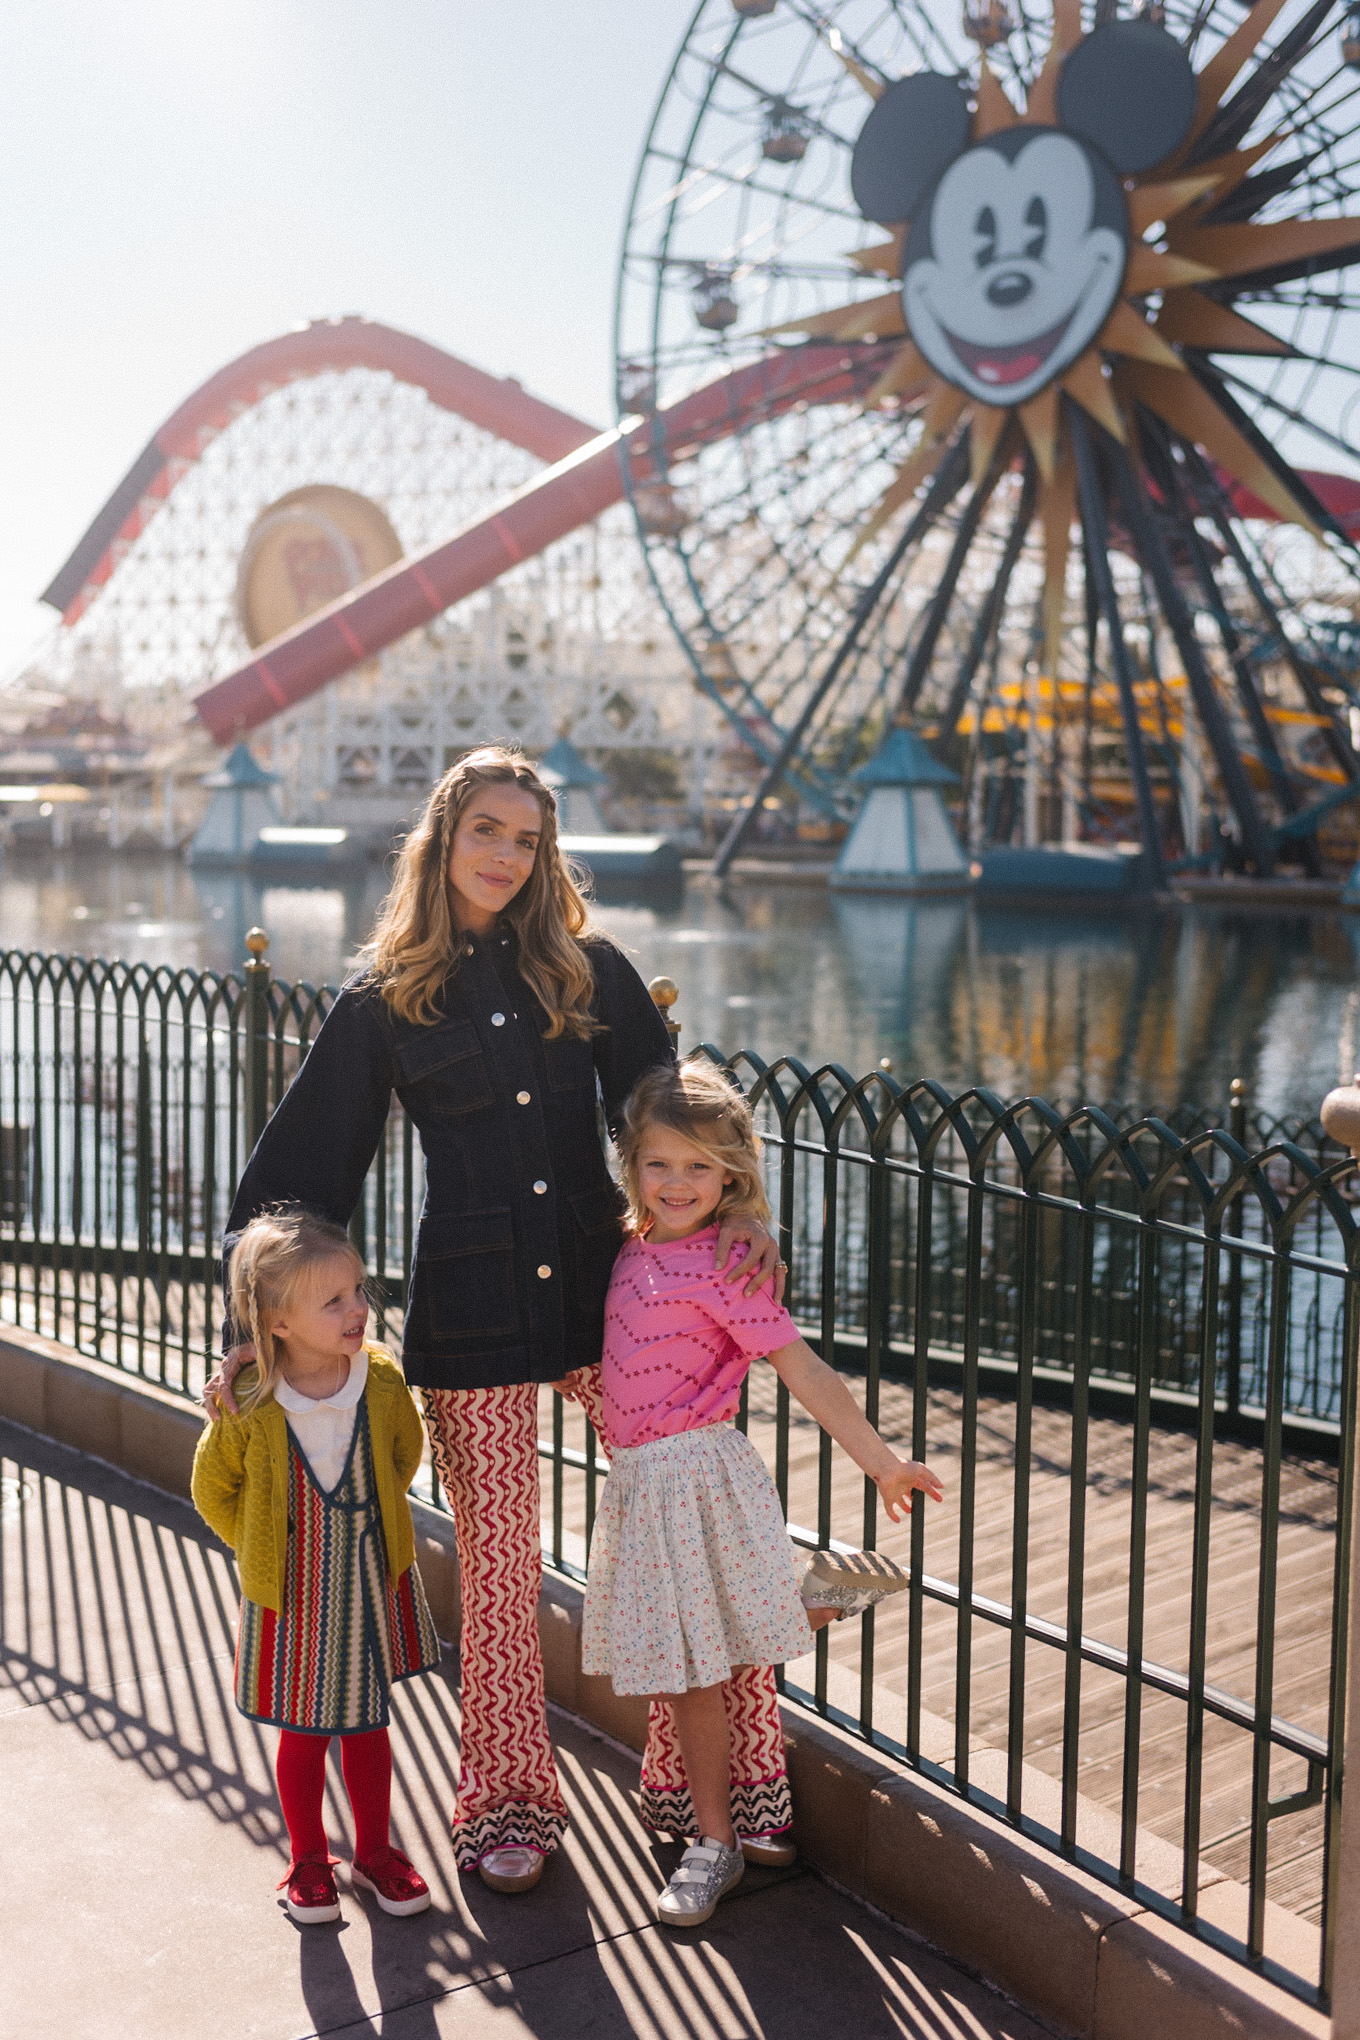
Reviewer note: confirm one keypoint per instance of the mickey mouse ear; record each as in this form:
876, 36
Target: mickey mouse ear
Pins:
916, 128
1129, 91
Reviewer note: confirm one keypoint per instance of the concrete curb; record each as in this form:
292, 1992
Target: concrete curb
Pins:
1079, 1954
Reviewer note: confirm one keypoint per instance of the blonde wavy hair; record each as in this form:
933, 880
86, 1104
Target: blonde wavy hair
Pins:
414, 946
705, 1108
270, 1262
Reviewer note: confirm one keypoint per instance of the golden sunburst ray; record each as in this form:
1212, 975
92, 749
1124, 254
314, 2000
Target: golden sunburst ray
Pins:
1221, 69
907, 375
985, 428
1087, 382
994, 111
1190, 319
884, 259
1153, 202
1188, 408
943, 410
1039, 420
876, 318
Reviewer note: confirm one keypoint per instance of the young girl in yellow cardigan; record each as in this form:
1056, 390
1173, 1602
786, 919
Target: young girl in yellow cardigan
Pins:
308, 1487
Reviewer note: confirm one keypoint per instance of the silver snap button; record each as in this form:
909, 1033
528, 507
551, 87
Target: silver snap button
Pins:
498, 1019
544, 1270
540, 1188
522, 1097
469, 951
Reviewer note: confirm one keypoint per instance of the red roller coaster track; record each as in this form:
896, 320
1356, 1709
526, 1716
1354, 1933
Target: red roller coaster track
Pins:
496, 405
570, 494
585, 478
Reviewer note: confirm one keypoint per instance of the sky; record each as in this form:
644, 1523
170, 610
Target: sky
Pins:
181, 179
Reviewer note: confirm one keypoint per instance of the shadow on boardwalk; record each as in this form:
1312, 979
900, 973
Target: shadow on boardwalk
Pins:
144, 1842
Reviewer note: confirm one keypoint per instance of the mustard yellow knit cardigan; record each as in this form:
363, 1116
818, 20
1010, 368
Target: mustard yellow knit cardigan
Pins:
240, 1483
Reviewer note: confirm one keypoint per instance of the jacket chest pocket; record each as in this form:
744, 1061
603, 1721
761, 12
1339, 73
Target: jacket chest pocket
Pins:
444, 1072
570, 1065
466, 1262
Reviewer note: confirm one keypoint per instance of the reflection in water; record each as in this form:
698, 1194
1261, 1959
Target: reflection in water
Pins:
1157, 1007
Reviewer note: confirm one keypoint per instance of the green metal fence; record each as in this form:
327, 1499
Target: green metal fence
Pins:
1129, 1345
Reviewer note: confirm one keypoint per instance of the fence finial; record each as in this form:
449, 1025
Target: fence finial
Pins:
665, 991
256, 1031
1340, 1115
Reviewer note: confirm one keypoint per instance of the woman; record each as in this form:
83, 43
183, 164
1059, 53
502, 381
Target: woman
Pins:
492, 1009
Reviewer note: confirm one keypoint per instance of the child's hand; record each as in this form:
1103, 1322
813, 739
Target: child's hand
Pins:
903, 1479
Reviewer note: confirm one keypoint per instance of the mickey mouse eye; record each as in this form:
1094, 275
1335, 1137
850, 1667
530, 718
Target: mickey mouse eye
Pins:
984, 226
1036, 219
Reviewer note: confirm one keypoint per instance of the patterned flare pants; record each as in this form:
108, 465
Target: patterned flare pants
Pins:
485, 1447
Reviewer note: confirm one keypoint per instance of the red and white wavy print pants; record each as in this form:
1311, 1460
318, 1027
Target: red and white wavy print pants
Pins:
485, 1447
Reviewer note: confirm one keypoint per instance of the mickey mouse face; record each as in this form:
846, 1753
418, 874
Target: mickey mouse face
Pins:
1015, 263
1018, 242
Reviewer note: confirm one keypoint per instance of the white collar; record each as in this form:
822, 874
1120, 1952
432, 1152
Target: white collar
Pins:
344, 1398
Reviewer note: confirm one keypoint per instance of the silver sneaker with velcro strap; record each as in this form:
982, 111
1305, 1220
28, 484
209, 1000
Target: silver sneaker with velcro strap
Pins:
708, 1871
850, 1581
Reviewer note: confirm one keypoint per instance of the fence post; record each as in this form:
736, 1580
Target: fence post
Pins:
257, 976
1237, 1127
665, 991
1341, 1116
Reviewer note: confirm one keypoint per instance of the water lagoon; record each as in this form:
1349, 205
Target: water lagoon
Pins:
1157, 1007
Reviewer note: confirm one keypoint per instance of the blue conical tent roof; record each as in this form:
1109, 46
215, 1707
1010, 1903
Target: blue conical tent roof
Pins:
563, 767
903, 760
238, 773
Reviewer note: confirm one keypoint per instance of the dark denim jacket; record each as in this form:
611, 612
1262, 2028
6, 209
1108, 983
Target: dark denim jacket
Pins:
521, 1221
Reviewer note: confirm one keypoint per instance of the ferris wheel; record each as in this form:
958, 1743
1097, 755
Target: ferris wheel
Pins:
1054, 454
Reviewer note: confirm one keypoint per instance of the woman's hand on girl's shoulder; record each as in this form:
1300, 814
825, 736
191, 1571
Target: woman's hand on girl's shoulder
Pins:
761, 1260
217, 1398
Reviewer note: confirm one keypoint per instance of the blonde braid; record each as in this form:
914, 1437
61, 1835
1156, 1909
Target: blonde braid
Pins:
260, 1339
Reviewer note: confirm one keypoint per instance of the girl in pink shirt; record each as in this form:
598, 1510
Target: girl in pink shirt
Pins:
692, 1574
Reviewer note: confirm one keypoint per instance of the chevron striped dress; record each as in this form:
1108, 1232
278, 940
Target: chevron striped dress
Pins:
328, 1662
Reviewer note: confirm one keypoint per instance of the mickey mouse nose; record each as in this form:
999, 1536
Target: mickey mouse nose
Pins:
1010, 287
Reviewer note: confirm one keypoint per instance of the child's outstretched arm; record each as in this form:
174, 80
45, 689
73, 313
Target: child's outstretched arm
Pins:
825, 1396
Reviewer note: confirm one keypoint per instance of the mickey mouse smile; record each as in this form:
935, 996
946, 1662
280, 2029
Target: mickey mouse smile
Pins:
999, 367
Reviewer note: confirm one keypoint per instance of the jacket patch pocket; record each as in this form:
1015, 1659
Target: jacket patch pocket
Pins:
570, 1065
467, 1260
445, 1072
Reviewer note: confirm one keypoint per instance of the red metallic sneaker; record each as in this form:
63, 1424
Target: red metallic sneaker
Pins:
394, 1881
312, 1898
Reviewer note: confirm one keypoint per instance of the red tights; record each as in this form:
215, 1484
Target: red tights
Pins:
301, 1772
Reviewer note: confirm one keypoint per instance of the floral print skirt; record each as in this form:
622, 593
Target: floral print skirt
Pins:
691, 1569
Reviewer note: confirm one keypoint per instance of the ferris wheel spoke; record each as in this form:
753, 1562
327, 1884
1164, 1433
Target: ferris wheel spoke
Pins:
769, 97
1239, 113
988, 619
1167, 474
1283, 410
1211, 493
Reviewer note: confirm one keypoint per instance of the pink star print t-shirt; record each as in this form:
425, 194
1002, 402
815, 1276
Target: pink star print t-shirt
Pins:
678, 1340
